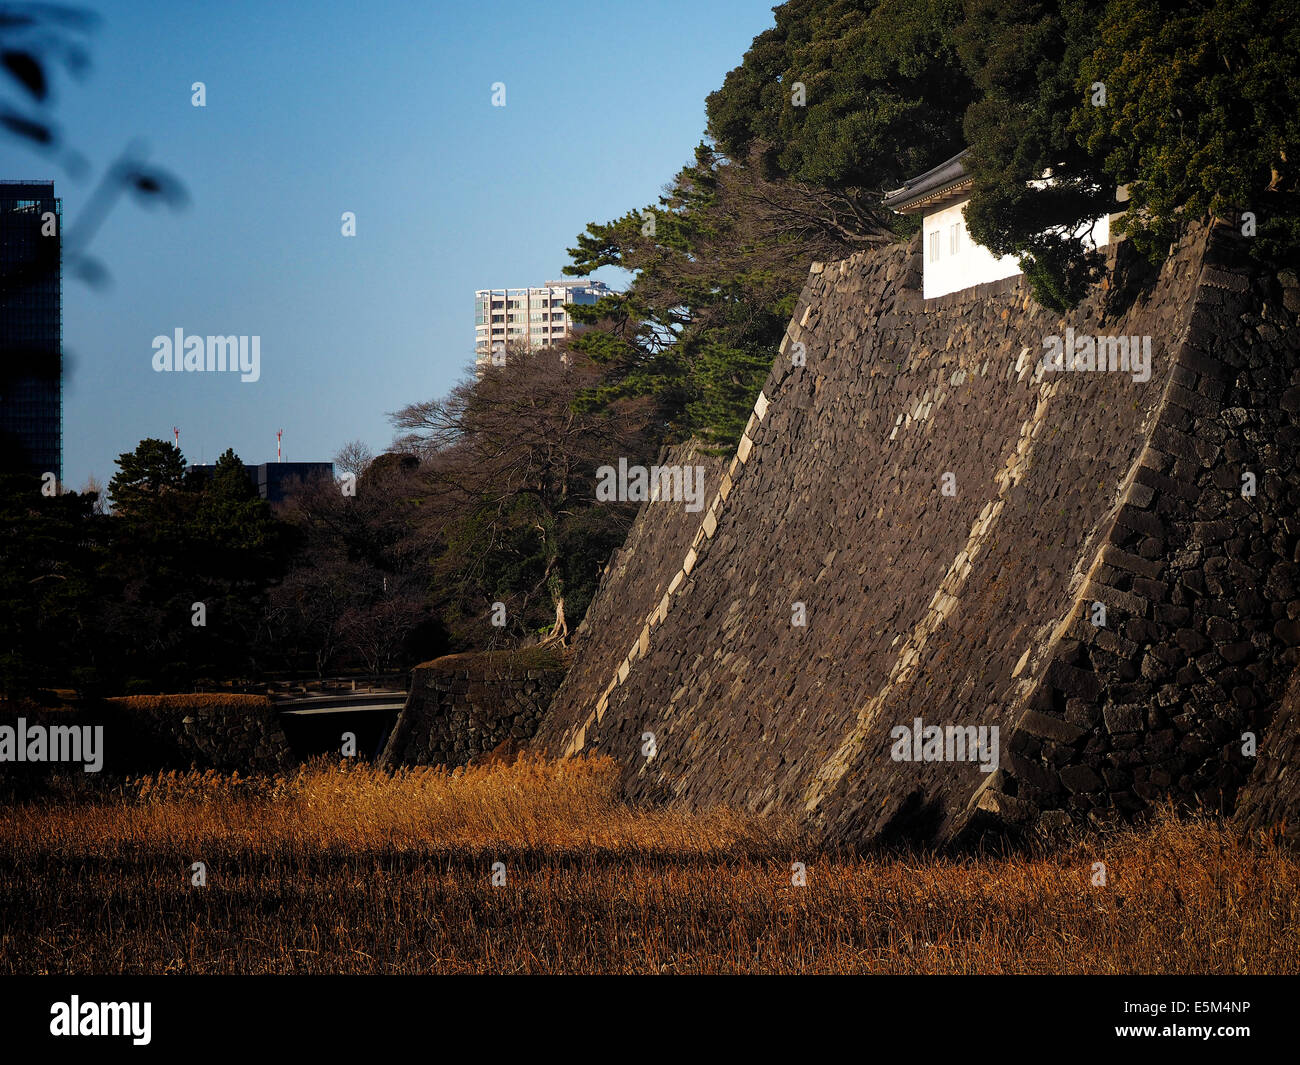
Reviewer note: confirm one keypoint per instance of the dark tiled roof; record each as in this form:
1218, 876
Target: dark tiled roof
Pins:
949, 176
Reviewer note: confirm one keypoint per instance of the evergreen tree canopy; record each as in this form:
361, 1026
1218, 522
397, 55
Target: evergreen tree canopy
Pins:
883, 95
1192, 105
1202, 116
144, 475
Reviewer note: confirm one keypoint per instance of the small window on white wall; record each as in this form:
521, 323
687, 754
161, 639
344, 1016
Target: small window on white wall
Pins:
934, 246
954, 238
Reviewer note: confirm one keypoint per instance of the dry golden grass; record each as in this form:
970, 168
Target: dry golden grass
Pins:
338, 869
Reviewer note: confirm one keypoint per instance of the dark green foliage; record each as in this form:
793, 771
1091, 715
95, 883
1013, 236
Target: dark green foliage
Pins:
720, 259
50, 548
884, 94
153, 470
181, 540
1202, 116
719, 262
107, 603
1024, 58
585, 543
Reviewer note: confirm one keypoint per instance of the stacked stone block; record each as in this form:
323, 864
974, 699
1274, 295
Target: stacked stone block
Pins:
1073, 489
465, 705
146, 733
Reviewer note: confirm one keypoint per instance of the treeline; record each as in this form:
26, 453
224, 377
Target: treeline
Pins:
1193, 106
192, 579
481, 528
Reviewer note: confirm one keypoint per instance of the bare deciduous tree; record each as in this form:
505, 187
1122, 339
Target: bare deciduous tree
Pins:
508, 461
354, 457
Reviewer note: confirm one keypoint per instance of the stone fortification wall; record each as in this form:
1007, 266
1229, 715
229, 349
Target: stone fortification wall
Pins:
947, 518
465, 705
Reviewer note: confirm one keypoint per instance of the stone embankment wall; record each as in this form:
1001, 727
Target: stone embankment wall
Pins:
1072, 490
1271, 799
636, 585
145, 733
462, 706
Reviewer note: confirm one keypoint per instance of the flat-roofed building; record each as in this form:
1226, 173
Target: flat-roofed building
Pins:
276, 481
532, 316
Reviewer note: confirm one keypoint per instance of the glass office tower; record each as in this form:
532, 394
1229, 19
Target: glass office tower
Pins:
31, 328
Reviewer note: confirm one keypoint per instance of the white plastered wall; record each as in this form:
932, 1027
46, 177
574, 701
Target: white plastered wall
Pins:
971, 264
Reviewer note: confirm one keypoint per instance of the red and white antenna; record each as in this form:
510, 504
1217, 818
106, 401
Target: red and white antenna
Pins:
176, 432
278, 457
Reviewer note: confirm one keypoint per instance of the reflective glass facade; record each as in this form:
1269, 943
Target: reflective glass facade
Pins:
31, 328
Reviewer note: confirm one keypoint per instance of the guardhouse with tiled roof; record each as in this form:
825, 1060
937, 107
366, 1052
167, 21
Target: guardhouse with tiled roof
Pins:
952, 260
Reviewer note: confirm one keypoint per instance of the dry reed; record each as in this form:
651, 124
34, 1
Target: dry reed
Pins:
348, 869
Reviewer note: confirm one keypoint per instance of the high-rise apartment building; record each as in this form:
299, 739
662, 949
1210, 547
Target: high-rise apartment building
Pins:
535, 316
31, 328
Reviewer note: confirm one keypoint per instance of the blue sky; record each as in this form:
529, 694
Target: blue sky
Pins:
383, 109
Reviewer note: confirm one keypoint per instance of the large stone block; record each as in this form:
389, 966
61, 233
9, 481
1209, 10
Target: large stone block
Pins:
968, 610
